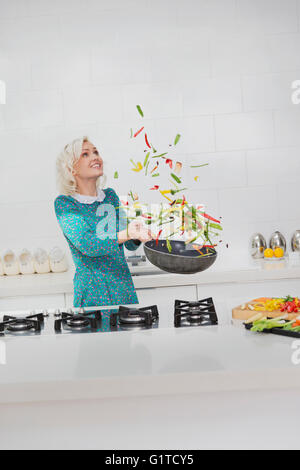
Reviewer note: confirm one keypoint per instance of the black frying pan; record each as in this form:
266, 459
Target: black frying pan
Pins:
181, 260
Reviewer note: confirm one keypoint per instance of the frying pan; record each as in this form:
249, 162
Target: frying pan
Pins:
181, 259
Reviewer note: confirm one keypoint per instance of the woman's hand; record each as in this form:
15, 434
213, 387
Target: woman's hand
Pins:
137, 229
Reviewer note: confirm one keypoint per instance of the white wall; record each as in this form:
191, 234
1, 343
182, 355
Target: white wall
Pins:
217, 71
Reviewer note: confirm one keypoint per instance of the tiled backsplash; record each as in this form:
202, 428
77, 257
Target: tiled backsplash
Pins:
218, 71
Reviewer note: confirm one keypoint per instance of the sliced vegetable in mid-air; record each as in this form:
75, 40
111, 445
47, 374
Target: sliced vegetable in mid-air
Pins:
140, 130
146, 159
139, 167
178, 180
140, 110
178, 167
199, 166
146, 140
177, 139
193, 221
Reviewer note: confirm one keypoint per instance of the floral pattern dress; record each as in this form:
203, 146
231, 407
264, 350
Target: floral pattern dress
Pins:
102, 275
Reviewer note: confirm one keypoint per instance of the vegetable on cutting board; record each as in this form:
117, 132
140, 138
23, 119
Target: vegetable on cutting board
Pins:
265, 324
268, 307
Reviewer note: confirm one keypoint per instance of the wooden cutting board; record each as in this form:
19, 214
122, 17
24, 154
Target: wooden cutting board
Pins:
244, 314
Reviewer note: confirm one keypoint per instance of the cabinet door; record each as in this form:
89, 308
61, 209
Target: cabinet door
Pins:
165, 296
69, 300
32, 302
161, 296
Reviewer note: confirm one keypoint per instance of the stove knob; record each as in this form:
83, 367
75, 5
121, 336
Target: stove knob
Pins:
57, 313
45, 313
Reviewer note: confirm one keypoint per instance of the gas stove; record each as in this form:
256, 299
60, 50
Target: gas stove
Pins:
106, 319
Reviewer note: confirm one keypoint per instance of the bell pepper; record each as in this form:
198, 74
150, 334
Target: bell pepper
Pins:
137, 133
169, 162
156, 241
146, 140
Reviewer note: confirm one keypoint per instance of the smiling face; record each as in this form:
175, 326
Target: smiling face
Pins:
90, 164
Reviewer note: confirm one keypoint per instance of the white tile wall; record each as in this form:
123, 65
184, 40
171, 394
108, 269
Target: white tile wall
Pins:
267, 16
287, 122
218, 72
270, 91
244, 130
284, 52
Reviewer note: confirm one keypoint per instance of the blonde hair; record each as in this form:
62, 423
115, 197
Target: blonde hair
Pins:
65, 179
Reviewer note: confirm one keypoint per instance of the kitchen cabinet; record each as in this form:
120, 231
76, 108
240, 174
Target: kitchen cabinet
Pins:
233, 288
154, 295
29, 302
166, 295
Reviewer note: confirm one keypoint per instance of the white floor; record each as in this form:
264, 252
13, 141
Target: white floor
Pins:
247, 420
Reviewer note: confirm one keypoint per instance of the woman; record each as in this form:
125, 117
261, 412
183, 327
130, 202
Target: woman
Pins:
102, 275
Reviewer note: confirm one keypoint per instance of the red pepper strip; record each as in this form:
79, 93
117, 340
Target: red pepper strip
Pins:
183, 200
137, 133
155, 187
158, 237
146, 216
210, 218
146, 140
169, 162
208, 246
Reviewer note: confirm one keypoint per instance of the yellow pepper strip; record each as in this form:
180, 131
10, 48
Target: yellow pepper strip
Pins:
165, 196
138, 168
269, 305
196, 178
165, 191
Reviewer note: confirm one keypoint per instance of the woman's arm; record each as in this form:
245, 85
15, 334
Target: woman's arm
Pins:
80, 234
130, 244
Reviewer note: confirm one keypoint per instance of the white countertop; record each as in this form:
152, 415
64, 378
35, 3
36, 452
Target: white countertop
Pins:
139, 363
146, 275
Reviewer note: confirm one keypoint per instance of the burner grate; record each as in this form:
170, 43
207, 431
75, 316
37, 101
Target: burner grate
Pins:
21, 324
195, 313
78, 321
